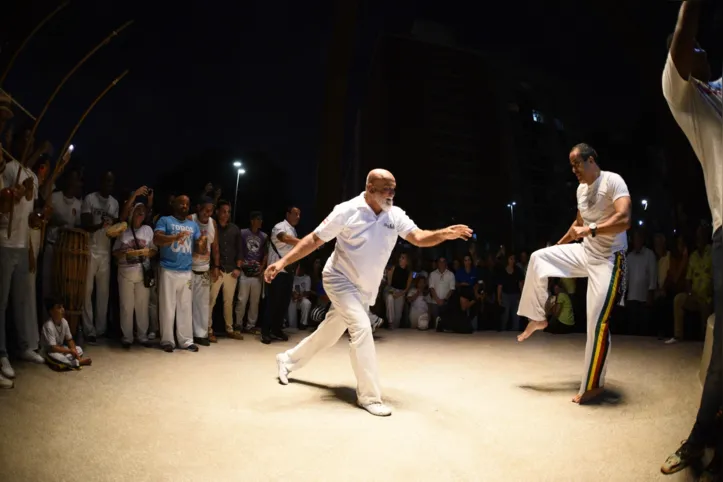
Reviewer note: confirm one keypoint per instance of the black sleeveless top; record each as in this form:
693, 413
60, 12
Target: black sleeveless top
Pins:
399, 278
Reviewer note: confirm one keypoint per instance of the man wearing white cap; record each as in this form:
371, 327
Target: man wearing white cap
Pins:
366, 230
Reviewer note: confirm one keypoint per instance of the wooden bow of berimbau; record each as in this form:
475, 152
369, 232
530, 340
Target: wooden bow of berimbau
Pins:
26, 151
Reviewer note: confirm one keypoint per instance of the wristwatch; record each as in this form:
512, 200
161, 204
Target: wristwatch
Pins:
593, 229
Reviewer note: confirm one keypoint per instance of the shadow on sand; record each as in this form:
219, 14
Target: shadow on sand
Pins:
608, 397
343, 394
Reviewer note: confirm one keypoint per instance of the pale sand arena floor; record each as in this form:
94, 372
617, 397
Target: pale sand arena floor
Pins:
477, 408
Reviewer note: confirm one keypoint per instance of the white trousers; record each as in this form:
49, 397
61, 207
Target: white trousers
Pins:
32, 282
228, 283
249, 290
604, 275
395, 307
303, 305
201, 304
175, 301
66, 358
347, 312
98, 274
153, 310
134, 297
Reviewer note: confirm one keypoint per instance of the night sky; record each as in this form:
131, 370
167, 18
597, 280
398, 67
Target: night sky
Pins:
250, 76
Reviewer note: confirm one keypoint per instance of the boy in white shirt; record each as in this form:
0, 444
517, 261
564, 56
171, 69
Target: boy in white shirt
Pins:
300, 300
60, 350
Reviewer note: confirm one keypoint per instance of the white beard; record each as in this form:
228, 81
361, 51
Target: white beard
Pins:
385, 204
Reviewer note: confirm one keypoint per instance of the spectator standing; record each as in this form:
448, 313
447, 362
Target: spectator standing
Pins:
642, 282
229, 250
509, 290
283, 239
254, 252
466, 278
399, 279
203, 274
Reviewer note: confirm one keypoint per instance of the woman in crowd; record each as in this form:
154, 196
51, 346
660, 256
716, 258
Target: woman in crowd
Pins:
399, 279
466, 278
134, 294
509, 290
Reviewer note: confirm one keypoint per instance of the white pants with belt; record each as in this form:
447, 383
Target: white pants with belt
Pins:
348, 312
175, 300
134, 296
98, 275
604, 278
201, 303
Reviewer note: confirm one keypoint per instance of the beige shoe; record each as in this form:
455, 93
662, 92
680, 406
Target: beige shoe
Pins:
236, 335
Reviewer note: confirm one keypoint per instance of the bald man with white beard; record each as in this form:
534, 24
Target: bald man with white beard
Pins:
366, 230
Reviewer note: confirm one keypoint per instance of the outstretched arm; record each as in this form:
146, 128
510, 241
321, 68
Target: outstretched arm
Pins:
425, 239
682, 48
306, 245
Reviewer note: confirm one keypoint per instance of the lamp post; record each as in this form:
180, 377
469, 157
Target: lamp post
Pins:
512, 224
644, 202
239, 171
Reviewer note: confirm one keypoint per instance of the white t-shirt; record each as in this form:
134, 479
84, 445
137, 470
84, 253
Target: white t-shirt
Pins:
100, 208
420, 304
697, 108
20, 229
442, 283
595, 203
364, 242
55, 335
66, 212
202, 262
283, 248
302, 284
125, 241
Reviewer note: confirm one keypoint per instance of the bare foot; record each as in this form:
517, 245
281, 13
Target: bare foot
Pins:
85, 362
532, 326
587, 396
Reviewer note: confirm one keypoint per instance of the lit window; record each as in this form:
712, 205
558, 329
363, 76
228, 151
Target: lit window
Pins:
537, 117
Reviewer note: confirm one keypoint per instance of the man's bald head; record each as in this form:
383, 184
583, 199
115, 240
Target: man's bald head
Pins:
379, 174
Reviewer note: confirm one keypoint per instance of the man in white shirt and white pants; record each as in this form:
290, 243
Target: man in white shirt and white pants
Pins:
100, 210
603, 217
642, 283
441, 288
366, 230
15, 266
697, 106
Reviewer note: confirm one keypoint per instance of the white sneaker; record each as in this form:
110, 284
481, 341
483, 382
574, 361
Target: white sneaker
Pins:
5, 383
283, 371
31, 356
375, 321
378, 409
152, 335
671, 341
6, 369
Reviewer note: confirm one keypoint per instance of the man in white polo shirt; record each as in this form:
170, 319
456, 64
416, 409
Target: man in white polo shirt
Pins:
441, 288
283, 239
366, 229
697, 107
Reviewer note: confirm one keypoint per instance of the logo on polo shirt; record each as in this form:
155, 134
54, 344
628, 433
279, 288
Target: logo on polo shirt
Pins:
389, 225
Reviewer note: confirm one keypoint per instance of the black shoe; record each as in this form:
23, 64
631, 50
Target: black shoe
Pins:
714, 471
303, 327
192, 348
280, 335
147, 343
687, 454
126, 345
92, 340
265, 339
202, 341
167, 348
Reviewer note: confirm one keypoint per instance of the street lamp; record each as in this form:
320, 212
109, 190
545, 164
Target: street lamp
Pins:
644, 202
239, 172
512, 205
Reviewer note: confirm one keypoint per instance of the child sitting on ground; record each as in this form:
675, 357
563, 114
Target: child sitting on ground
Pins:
58, 345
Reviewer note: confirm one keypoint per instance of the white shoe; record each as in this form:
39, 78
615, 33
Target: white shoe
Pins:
283, 371
6, 369
31, 356
378, 409
6, 383
671, 341
152, 335
375, 321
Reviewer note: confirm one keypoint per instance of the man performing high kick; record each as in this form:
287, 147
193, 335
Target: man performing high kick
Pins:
366, 228
603, 216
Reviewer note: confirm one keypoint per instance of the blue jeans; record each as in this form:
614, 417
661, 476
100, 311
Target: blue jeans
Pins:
510, 320
704, 430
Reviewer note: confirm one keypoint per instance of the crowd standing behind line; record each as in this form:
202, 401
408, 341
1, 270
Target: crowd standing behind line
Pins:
193, 257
